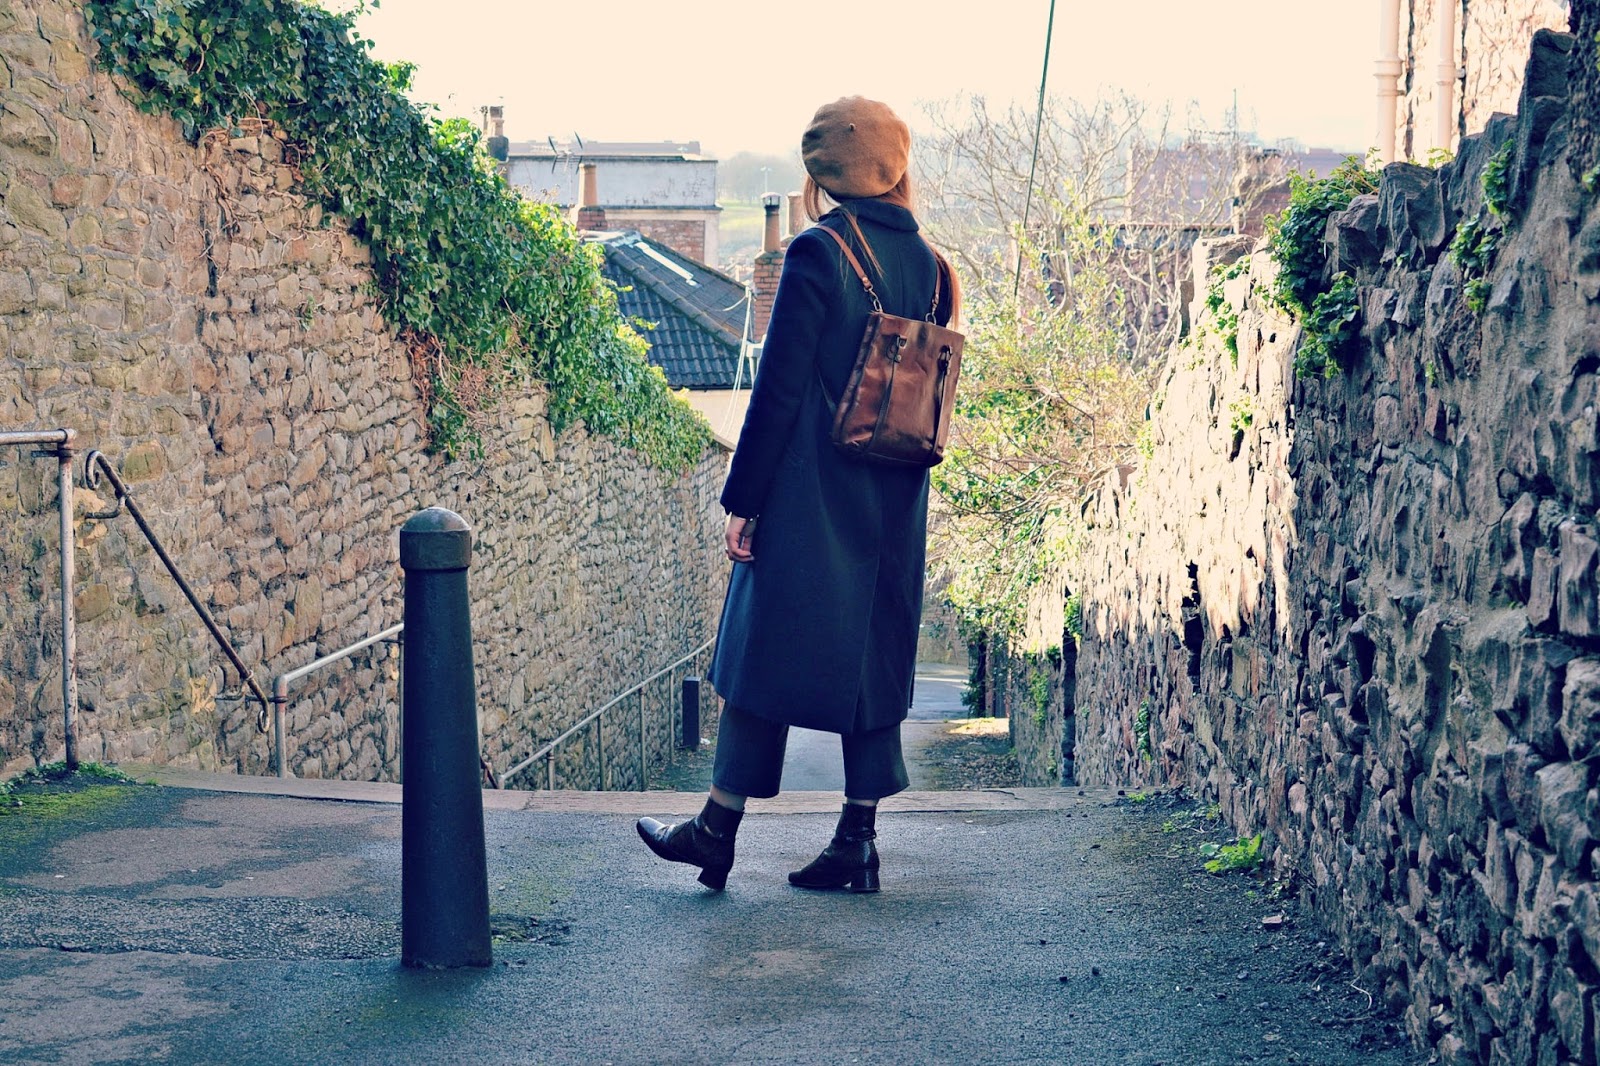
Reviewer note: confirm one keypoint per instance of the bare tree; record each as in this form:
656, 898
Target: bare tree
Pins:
1067, 316
1116, 163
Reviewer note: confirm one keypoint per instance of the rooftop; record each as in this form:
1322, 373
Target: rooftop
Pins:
698, 312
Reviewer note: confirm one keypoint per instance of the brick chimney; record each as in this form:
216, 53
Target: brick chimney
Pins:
591, 216
769, 264
499, 147
1260, 189
797, 214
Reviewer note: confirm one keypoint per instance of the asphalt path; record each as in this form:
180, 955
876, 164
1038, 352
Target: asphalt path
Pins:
1043, 926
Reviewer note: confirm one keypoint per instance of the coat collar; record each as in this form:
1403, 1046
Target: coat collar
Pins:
884, 214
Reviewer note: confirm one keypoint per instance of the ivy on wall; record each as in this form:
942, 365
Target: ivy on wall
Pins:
1327, 312
1477, 242
490, 291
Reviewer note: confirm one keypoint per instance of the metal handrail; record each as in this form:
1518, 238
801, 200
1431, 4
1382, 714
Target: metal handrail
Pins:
281, 683
63, 440
547, 752
96, 465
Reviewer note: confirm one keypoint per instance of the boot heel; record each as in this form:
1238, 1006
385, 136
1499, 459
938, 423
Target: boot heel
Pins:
865, 881
714, 877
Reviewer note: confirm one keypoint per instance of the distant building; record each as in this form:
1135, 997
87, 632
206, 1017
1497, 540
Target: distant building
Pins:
665, 190
1208, 186
1261, 183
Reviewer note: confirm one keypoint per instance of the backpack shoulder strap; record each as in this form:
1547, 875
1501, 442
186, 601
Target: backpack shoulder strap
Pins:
938, 287
855, 264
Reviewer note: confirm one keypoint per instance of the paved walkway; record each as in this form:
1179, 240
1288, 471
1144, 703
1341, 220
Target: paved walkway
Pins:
191, 925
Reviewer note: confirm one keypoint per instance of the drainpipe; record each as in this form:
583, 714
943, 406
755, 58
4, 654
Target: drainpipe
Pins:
69, 631
1444, 116
1389, 67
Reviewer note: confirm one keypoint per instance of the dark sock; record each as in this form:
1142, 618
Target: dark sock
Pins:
857, 821
720, 821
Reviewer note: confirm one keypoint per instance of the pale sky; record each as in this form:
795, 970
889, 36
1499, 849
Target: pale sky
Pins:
747, 76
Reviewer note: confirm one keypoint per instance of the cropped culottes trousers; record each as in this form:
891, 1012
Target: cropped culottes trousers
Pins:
750, 749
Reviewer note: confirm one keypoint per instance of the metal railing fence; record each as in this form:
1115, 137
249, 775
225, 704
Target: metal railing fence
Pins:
595, 722
280, 685
95, 467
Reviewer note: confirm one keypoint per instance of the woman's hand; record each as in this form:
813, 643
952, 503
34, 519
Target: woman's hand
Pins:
737, 537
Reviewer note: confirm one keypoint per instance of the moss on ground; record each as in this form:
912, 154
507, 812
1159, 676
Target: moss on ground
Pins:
48, 801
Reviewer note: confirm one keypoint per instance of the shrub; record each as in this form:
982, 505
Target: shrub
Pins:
1296, 236
1477, 241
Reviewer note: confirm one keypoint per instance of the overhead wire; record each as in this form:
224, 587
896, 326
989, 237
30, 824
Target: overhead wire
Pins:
1038, 127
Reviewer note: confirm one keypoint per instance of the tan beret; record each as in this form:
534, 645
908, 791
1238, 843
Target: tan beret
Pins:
855, 148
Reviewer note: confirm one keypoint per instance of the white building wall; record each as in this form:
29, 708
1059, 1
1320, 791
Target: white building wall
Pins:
623, 182
1490, 49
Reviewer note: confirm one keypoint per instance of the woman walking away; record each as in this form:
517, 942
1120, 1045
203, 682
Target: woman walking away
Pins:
819, 628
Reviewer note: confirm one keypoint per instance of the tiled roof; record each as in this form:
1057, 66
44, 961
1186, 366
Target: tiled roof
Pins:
699, 313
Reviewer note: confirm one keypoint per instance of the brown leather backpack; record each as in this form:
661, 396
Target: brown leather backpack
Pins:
897, 402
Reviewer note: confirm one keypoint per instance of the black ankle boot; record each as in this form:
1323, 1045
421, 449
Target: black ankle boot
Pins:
851, 859
706, 841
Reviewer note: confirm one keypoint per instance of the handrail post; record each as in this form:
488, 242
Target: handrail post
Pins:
69, 628
400, 686
444, 906
280, 697
595, 719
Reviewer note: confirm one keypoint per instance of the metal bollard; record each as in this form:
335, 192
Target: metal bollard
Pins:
690, 736
444, 882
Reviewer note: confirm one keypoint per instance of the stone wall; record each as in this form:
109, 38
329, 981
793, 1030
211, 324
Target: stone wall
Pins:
939, 638
1363, 608
1491, 43
194, 317
1035, 694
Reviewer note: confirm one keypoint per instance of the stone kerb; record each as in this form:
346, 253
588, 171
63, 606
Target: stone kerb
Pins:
1365, 622
200, 322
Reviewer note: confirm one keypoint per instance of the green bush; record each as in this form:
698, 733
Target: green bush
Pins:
1223, 858
1295, 236
1241, 414
1040, 686
1497, 180
1327, 316
489, 291
1224, 316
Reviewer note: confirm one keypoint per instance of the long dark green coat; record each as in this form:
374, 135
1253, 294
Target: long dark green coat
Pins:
821, 629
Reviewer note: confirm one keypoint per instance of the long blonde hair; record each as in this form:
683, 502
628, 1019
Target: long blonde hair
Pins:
816, 201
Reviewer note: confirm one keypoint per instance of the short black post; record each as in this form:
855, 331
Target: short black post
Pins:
690, 737
444, 882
